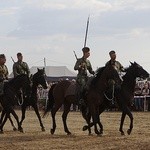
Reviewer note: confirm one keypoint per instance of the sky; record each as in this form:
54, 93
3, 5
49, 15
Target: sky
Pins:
53, 29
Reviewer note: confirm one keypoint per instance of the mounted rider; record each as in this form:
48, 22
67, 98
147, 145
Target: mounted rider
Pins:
3, 73
83, 66
117, 65
21, 67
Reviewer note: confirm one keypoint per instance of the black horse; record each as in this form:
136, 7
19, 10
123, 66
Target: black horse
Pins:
9, 98
31, 100
124, 97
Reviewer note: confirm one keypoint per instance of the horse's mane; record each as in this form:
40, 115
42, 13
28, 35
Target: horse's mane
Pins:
97, 76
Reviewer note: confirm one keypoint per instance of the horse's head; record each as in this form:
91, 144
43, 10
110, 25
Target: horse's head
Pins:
138, 71
39, 78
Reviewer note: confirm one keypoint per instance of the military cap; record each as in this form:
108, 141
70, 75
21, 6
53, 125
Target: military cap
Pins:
19, 54
2, 56
112, 52
85, 49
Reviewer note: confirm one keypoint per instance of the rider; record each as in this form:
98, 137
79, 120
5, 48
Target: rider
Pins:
20, 67
117, 65
3, 73
82, 65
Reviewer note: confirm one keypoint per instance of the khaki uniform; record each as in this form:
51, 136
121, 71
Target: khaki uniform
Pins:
20, 68
3, 77
83, 66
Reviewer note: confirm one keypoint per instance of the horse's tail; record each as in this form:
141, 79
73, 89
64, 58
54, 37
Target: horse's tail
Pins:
50, 101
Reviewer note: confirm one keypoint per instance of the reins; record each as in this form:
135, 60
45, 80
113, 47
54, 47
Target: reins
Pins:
113, 94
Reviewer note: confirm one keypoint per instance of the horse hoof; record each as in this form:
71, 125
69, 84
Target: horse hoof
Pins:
52, 131
21, 130
68, 133
99, 135
90, 134
43, 129
122, 133
14, 129
84, 128
129, 131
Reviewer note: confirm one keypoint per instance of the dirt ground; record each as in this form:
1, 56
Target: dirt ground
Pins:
34, 139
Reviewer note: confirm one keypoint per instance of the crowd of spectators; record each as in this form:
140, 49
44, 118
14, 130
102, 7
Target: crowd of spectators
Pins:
142, 96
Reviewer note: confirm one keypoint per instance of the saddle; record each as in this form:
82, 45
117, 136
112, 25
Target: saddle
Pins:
71, 90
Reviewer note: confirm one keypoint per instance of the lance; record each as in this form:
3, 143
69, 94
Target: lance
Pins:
87, 27
13, 60
75, 55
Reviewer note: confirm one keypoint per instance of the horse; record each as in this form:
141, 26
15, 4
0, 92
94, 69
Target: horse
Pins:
9, 98
124, 97
57, 96
31, 100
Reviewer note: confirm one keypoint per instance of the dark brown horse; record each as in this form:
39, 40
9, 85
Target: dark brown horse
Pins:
124, 97
57, 96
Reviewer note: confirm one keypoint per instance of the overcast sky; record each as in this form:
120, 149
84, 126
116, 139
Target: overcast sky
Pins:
53, 29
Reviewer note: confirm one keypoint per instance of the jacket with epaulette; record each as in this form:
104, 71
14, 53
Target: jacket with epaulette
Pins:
20, 68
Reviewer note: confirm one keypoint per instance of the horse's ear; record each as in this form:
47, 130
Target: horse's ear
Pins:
38, 69
131, 63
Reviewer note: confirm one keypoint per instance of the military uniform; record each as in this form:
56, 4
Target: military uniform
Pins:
83, 66
3, 75
20, 67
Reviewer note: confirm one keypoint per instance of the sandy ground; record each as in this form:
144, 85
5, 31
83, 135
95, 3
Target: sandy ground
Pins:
34, 139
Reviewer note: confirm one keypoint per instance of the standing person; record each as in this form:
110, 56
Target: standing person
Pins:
3, 72
20, 67
82, 65
145, 93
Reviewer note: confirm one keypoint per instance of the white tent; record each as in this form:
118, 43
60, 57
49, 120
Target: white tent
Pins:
55, 71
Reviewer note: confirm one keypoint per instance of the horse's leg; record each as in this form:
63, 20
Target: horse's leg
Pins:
88, 118
5, 117
2, 116
17, 119
94, 113
53, 113
121, 123
126, 111
100, 125
38, 115
131, 121
14, 128
23, 110
64, 117
102, 107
